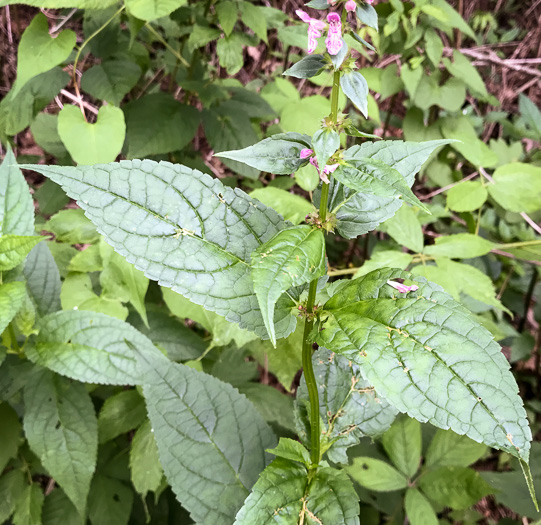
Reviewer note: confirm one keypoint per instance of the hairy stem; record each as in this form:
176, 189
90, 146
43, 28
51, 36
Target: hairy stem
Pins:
309, 376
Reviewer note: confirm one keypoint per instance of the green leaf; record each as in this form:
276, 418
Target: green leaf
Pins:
231, 442
455, 487
61, 428
156, 124
38, 51
467, 196
460, 246
14, 250
282, 495
418, 509
355, 88
325, 142
12, 297
433, 47
44, 128
429, 357
367, 15
28, 507
448, 449
517, 187
349, 407
385, 259
230, 53
462, 68
228, 14
406, 230
308, 67
530, 112
278, 154
119, 414
92, 143
110, 502
372, 176
291, 207
111, 80
292, 450
10, 434
449, 96
88, 347
202, 35
453, 18
59, 509
146, 471
71, 226
12, 486
145, 10
16, 206
376, 475
181, 228
292, 257
403, 444
254, 18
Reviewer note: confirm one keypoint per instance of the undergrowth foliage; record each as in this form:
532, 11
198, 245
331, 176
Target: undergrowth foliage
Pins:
381, 353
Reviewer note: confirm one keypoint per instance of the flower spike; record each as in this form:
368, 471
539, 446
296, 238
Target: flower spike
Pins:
315, 27
334, 36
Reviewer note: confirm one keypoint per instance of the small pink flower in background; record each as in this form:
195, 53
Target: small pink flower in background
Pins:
351, 6
369, 1
315, 27
334, 36
402, 288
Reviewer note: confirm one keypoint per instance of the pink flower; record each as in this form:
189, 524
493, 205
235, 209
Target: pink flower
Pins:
306, 153
369, 1
351, 6
402, 288
315, 27
329, 168
334, 36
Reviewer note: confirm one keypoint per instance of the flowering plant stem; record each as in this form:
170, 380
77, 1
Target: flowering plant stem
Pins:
309, 376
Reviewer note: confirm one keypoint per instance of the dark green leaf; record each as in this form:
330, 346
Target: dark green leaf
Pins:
368, 15
355, 88
119, 414
109, 502
308, 67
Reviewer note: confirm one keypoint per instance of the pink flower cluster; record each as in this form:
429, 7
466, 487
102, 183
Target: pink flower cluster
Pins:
307, 153
315, 26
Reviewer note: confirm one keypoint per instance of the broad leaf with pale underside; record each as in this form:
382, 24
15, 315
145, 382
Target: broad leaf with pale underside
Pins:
282, 495
211, 439
183, 229
429, 357
292, 257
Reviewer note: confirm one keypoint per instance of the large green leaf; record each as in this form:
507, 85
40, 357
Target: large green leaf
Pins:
205, 427
16, 206
517, 187
61, 428
283, 495
467, 196
348, 405
460, 246
278, 154
38, 51
15, 248
12, 296
146, 10
293, 257
88, 346
428, 357
358, 212
182, 228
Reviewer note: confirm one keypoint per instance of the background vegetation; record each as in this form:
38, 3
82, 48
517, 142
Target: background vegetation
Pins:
207, 77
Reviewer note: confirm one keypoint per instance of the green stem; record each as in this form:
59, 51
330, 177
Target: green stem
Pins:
162, 40
520, 244
309, 376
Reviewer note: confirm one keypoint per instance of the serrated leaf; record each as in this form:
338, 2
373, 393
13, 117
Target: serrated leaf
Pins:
448, 449
61, 428
282, 495
467, 196
119, 414
325, 142
38, 51
146, 471
349, 406
181, 228
429, 357
89, 347
111, 80
230, 440
16, 206
12, 297
460, 246
278, 154
403, 444
230, 53
376, 475
292, 257
418, 509
43, 279
110, 501
355, 87
145, 10
455, 487
307, 67
14, 249
373, 176
291, 450
10, 434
